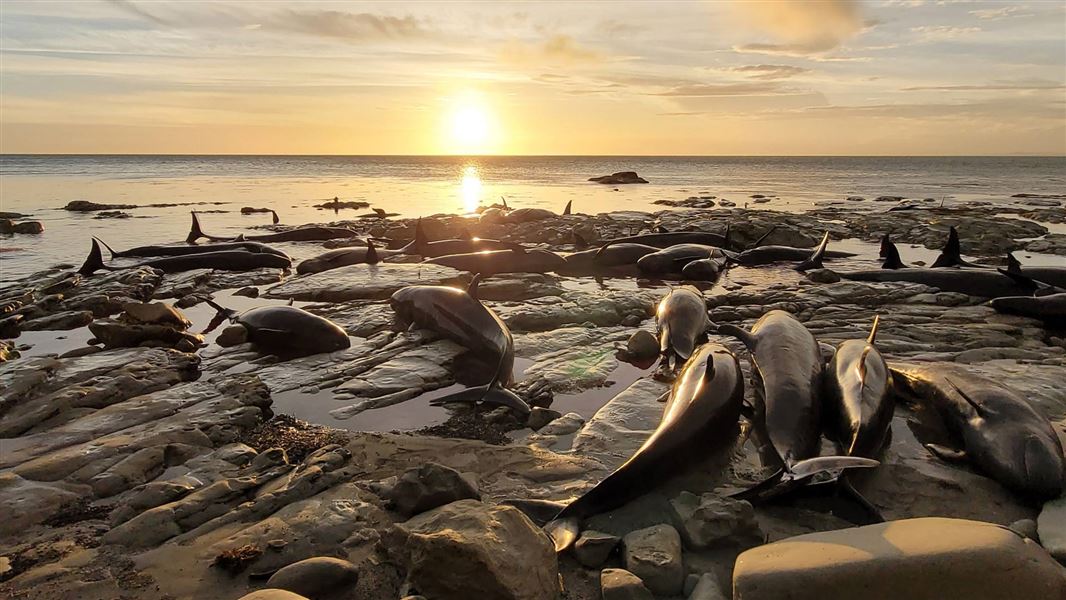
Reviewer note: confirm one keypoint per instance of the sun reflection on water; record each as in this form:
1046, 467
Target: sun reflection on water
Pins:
470, 188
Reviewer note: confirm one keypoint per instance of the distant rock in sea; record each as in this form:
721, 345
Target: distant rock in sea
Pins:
89, 206
619, 178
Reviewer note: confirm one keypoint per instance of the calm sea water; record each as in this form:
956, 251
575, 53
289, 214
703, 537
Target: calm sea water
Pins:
413, 186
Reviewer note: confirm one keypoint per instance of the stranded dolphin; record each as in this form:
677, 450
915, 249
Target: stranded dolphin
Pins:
144, 251
491, 262
700, 419
300, 234
335, 259
460, 316
230, 260
287, 331
997, 429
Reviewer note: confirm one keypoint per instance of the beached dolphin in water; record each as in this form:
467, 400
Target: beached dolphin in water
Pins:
682, 320
673, 259
993, 427
144, 251
300, 234
788, 369
705, 269
618, 259
461, 317
491, 262
700, 420
335, 259
757, 255
230, 260
890, 254
1055, 276
248, 210
985, 283
286, 331
673, 238
520, 215
464, 244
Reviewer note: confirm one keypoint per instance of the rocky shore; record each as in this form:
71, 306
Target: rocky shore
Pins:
156, 461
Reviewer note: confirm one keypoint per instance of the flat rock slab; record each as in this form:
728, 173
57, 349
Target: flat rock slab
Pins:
363, 282
1051, 527
615, 432
919, 559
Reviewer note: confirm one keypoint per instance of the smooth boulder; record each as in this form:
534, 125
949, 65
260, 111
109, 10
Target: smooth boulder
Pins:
427, 487
654, 555
1051, 527
709, 520
315, 577
467, 549
919, 559
619, 584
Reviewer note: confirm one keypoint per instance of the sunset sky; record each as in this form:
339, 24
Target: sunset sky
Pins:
680, 78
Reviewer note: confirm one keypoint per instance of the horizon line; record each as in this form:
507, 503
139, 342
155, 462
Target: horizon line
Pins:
470, 156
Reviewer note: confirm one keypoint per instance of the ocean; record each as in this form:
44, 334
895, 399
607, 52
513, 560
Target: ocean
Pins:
40, 185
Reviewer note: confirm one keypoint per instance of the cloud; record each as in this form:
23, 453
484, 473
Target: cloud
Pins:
1001, 85
349, 26
801, 28
993, 14
129, 7
932, 33
722, 89
771, 72
556, 50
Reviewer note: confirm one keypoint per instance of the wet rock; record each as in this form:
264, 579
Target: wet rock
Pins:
232, 336
32, 227
642, 345
467, 549
1052, 243
564, 425
87, 206
427, 487
247, 292
823, 276
112, 214
707, 588
928, 558
710, 519
1051, 526
362, 282
888, 198
115, 334
619, 427
539, 417
156, 313
654, 555
855, 199
315, 577
593, 547
619, 178
72, 319
190, 300
619, 584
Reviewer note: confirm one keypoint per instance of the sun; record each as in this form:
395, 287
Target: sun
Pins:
470, 127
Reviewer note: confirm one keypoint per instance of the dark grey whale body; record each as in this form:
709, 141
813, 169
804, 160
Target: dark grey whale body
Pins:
996, 429
460, 316
858, 397
617, 258
491, 262
147, 251
288, 331
300, 234
682, 321
229, 260
700, 419
342, 257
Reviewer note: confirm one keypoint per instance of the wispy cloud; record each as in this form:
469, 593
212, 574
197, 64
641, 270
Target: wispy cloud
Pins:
771, 72
993, 14
127, 6
722, 89
997, 86
943, 32
355, 27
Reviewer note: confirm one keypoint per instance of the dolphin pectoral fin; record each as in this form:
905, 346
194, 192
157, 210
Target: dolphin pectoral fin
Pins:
563, 532
832, 465
762, 489
741, 334
948, 455
487, 394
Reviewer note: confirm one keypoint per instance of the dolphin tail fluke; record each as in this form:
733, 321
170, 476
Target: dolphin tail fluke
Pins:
815, 259
739, 333
873, 330
221, 310
195, 232
275, 217
569, 205
471, 289
801, 473
563, 532
109, 249
94, 262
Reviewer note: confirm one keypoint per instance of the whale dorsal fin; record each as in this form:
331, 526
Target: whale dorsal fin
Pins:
371, 253
569, 205
276, 219
951, 254
890, 253
1013, 265
504, 200
815, 259
709, 372
472, 288
741, 334
759, 241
